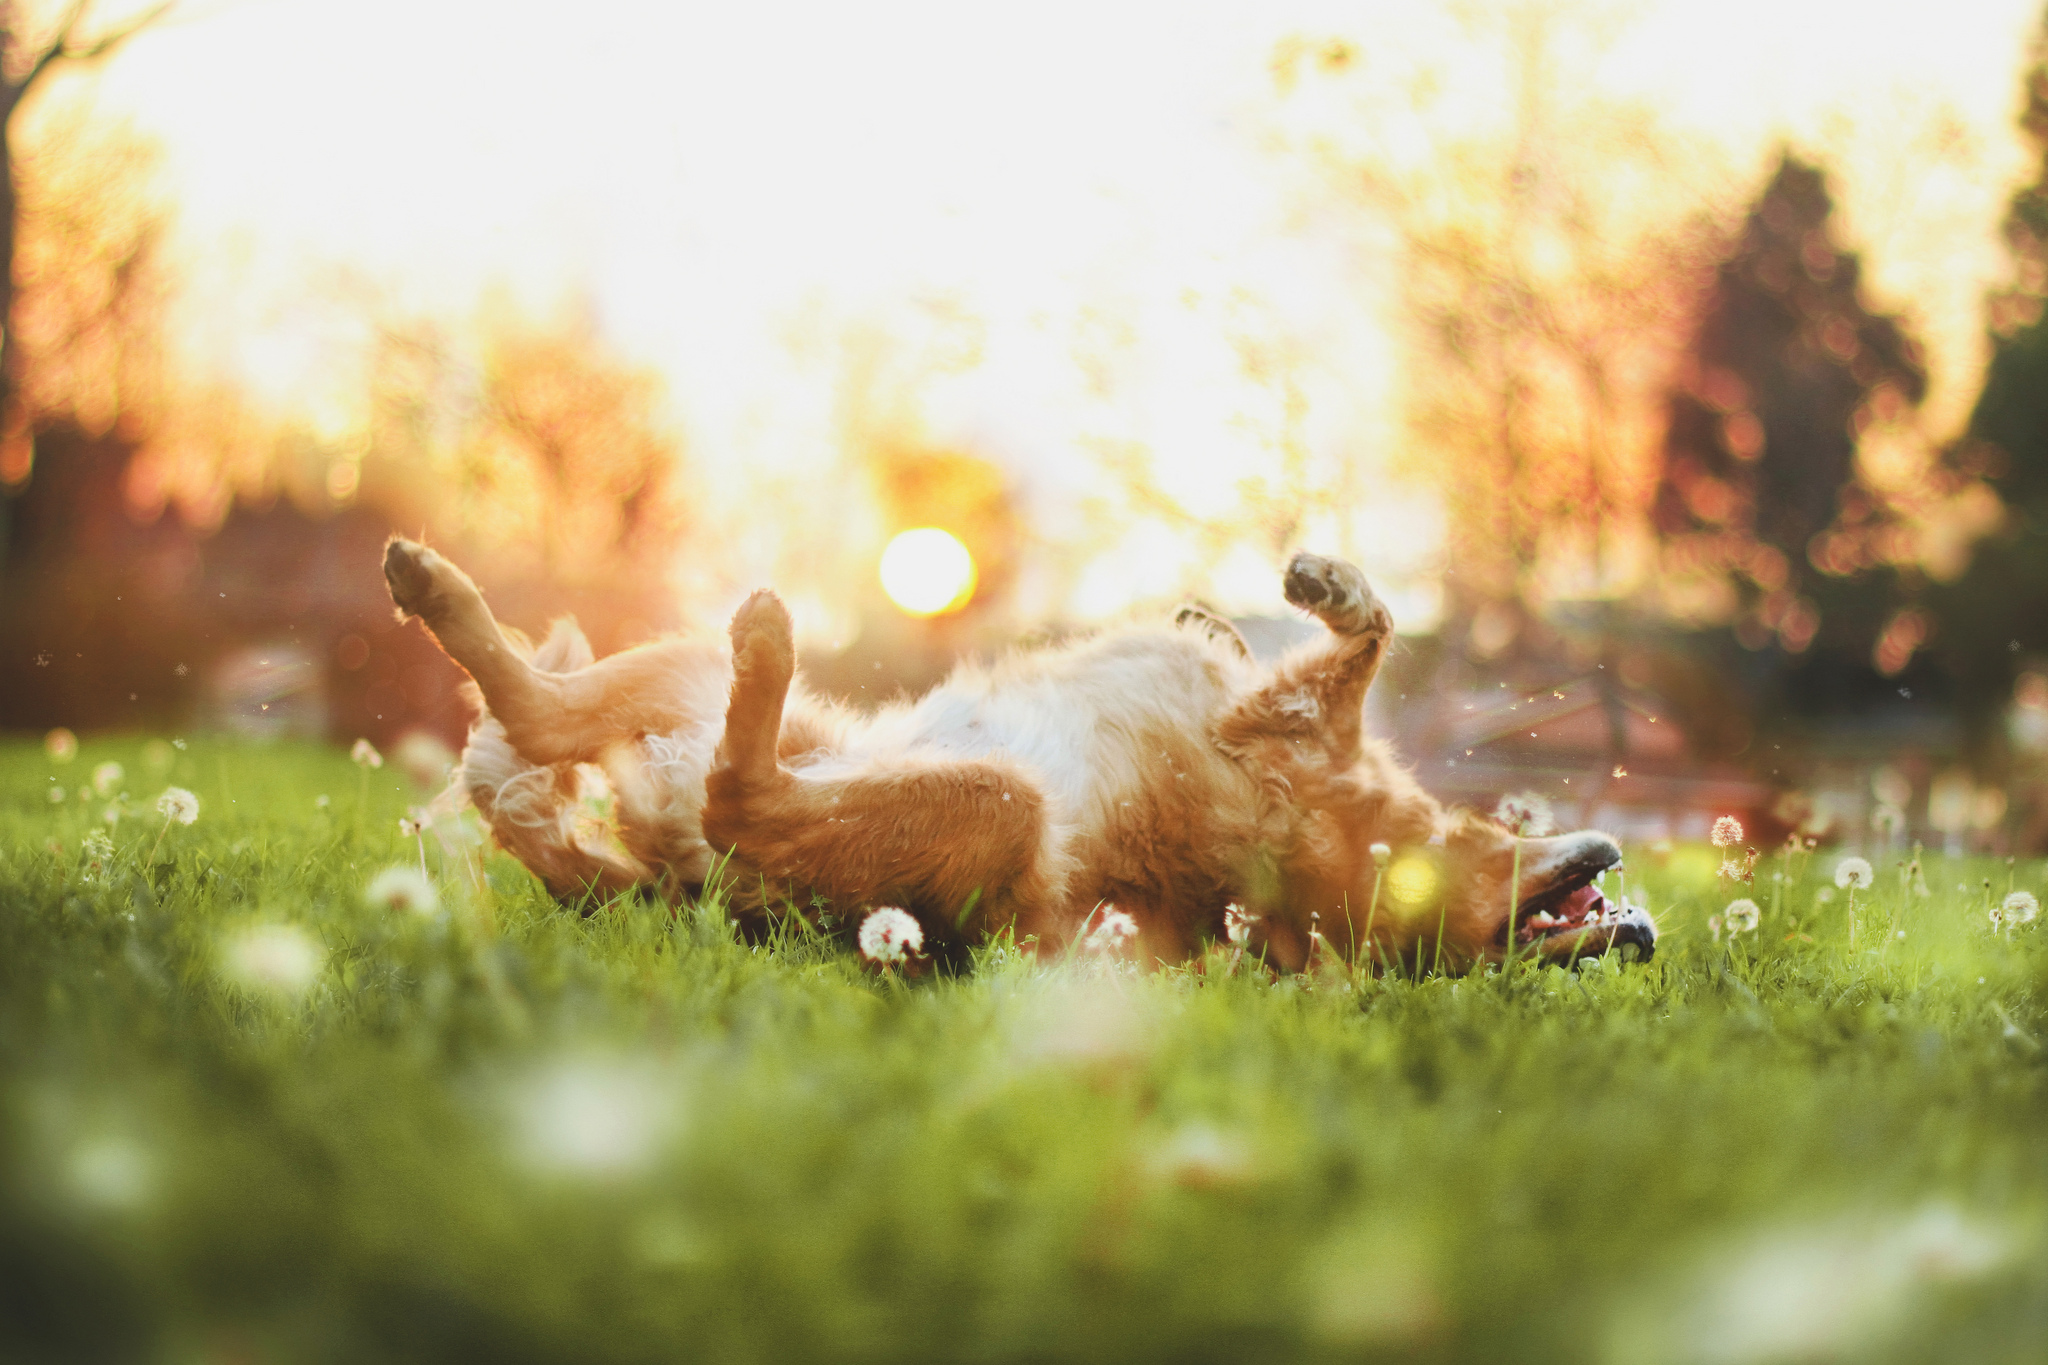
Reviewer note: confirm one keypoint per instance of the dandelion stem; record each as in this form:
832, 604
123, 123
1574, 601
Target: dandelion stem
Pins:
1514, 907
1373, 909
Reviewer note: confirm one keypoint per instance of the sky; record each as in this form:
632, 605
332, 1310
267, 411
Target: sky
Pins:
1003, 203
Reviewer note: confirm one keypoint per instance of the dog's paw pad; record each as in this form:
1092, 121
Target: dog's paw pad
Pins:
1337, 592
409, 571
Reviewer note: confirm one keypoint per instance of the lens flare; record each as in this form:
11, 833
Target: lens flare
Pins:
1412, 882
928, 572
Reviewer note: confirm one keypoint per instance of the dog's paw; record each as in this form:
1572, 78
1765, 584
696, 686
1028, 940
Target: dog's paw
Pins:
1337, 594
1198, 617
425, 585
409, 573
763, 640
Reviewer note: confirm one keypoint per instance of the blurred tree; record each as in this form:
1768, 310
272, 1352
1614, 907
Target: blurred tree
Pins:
567, 454
1994, 619
1548, 262
1765, 517
545, 462
28, 52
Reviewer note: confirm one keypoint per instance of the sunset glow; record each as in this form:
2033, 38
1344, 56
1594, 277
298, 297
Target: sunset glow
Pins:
927, 572
828, 228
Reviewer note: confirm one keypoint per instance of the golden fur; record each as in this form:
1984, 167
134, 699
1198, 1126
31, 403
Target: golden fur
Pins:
1160, 769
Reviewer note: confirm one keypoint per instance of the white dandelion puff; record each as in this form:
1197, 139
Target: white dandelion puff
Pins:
1854, 874
364, 755
106, 778
1381, 854
1742, 916
402, 888
890, 935
110, 1172
178, 806
1727, 832
1525, 813
1113, 930
2021, 907
593, 1116
61, 745
272, 959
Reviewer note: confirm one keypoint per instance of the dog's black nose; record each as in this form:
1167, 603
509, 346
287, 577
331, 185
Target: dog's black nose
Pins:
1636, 926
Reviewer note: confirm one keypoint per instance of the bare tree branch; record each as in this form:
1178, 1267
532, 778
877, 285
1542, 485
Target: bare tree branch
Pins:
60, 48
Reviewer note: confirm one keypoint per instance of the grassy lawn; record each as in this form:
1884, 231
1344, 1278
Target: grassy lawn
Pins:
502, 1131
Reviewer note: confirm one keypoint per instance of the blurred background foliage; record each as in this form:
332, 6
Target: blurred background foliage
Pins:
1669, 457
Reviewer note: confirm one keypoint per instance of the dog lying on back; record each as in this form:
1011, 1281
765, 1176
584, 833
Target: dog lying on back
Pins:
1158, 769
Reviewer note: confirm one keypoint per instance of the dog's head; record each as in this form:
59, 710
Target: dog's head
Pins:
1473, 889
1542, 896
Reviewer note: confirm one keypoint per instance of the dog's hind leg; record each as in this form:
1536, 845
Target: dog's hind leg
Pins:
549, 717
535, 812
940, 838
1319, 693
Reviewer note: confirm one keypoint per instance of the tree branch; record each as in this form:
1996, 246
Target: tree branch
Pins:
60, 48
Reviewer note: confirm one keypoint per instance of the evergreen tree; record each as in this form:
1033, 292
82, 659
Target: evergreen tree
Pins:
1759, 489
1995, 618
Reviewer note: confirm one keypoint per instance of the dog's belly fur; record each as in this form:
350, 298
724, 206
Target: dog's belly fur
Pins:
1114, 735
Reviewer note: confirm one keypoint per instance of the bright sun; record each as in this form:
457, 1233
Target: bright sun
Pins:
927, 572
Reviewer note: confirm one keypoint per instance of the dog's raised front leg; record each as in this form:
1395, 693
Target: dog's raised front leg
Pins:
549, 718
1320, 695
933, 836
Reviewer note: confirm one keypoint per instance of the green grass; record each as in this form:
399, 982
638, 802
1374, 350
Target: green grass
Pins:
508, 1132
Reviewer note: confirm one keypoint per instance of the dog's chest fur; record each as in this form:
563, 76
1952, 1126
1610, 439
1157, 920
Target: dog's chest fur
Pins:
1115, 732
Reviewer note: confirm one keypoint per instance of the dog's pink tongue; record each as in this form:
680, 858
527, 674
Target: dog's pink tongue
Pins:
1585, 901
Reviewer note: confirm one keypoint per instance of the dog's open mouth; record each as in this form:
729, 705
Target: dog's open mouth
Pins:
1574, 919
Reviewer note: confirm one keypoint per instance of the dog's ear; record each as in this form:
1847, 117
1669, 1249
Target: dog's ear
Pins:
565, 649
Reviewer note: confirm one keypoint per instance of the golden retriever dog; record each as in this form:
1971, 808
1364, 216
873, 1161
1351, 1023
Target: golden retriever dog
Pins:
1158, 769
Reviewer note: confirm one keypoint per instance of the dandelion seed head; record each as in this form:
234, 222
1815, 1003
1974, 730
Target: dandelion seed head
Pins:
1380, 854
1237, 924
2021, 907
402, 888
110, 1173
106, 778
1203, 1156
592, 1116
1727, 832
1854, 874
890, 935
1112, 932
61, 745
1742, 916
1525, 813
282, 960
178, 806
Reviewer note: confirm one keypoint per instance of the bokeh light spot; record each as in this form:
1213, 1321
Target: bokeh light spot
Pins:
927, 572
1412, 881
